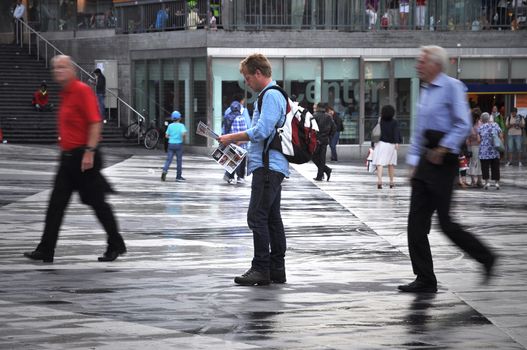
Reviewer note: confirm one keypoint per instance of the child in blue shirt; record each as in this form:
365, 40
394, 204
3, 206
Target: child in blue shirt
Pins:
175, 134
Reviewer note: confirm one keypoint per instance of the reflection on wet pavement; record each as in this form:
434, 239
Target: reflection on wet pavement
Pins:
186, 241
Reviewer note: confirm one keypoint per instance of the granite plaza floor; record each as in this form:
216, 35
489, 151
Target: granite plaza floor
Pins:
186, 241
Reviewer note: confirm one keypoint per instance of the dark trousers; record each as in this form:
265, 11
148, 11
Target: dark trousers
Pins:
333, 145
17, 31
432, 188
493, 165
265, 220
240, 170
319, 158
92, 188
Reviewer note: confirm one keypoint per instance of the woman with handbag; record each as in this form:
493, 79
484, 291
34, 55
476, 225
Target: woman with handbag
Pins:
385, 151
491, 139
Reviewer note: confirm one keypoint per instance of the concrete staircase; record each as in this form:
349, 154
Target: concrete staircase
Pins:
20, 76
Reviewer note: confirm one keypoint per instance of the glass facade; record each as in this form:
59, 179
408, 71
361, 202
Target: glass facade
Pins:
356, 88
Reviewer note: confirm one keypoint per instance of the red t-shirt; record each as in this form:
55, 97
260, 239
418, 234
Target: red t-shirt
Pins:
40, 98
78, 109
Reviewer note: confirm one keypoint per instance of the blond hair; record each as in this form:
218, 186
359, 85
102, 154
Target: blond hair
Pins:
256, 62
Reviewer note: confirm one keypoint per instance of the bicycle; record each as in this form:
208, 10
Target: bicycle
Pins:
149, 136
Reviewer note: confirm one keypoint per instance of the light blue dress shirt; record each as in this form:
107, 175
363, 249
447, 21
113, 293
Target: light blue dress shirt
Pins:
263, 126
442, 107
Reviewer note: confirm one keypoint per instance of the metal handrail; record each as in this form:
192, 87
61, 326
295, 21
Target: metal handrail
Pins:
20, 41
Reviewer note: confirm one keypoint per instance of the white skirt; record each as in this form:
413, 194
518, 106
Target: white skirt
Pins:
384, 154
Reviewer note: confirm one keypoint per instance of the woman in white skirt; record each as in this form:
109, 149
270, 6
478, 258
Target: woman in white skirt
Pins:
385, 151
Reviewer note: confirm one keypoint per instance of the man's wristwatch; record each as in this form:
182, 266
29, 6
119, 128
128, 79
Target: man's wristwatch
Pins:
90, 149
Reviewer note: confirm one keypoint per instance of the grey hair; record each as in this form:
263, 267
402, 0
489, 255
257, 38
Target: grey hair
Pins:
485, 117
62, 57
436, 54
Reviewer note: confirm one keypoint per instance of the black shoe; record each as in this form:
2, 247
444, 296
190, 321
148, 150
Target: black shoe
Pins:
278, 275
418, 287
317, 179
180, 179
36, 255
111, 255
328, 174
489, 270
252, 277
163, 176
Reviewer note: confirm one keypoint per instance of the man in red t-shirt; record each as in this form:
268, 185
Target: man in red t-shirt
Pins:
79, 127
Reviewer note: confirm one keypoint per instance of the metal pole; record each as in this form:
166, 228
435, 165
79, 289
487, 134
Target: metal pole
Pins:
38, 49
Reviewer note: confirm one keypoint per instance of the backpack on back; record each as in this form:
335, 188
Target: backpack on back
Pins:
296, 139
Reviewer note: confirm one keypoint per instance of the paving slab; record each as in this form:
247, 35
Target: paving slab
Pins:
186, 241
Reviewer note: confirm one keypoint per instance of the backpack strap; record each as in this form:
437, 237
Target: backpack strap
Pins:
265, 154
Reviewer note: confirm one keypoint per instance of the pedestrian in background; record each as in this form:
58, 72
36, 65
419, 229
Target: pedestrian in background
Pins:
234, 122
175, 134
443, 124
79, 127
473, 144
339, 127
100, 90
41, 98
385, 151
489, 156
515, 124
18, 16
326, 129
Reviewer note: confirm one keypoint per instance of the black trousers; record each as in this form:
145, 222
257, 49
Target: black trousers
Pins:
92, 188
319, 158
494, 165
265, 220
17, 31
432, 188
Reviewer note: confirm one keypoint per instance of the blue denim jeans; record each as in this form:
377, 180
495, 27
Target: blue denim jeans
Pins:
102, 107
333, 145
265, 220
177, 149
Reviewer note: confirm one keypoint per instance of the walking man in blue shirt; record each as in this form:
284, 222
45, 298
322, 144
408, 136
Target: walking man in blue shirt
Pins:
443, 124
263, 215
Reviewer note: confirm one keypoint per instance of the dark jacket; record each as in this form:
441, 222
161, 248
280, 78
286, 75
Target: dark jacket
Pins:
339, 125
100, 88
326, 127
390, 132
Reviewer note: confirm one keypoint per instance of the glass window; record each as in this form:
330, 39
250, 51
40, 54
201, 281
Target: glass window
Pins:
168, 86
140, 86
405, 94
519, 69
484, 69
303, 79
154, 77
340, 89
228, 86
376, 93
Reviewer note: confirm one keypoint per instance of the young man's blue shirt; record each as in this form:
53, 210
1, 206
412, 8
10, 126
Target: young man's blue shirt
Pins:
175, 132
263, 127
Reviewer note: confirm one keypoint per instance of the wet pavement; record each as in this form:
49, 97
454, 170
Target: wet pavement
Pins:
186, 241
